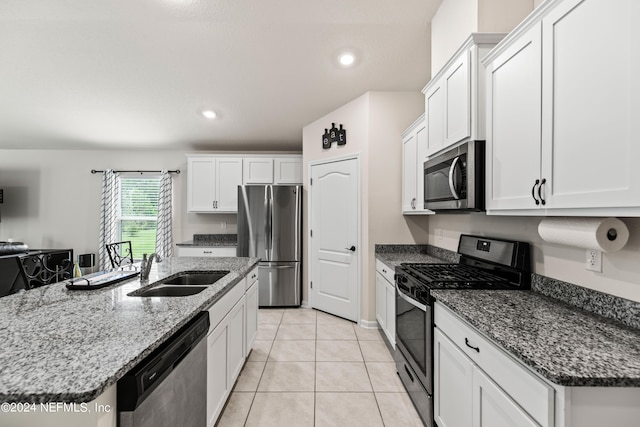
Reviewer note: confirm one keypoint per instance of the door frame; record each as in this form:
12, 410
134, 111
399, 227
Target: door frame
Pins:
310, 165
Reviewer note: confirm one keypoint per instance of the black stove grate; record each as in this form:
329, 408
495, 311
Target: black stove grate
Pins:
453, 273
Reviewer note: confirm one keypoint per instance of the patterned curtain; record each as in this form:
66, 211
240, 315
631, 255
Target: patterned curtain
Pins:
164, 233
108, 215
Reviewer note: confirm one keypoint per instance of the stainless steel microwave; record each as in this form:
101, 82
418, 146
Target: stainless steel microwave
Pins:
454, 180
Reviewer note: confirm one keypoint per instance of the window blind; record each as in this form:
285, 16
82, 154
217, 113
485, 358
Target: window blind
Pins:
138, 213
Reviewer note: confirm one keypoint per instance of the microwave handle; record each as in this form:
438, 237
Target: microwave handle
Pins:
452, 184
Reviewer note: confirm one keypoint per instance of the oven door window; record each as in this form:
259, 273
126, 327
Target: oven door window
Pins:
411, 324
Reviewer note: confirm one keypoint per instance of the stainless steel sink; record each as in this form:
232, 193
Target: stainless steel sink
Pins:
196, 278
170, 291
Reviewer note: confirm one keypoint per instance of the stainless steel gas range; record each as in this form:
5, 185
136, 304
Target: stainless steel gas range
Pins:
485, 263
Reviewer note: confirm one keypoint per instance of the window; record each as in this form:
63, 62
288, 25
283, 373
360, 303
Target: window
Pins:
138, 213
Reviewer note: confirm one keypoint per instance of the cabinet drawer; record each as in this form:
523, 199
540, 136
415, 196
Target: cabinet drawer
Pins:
220, 308
528, 391
252, 277
221, 251
386, 271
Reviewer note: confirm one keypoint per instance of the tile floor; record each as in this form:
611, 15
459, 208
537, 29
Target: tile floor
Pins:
309, 368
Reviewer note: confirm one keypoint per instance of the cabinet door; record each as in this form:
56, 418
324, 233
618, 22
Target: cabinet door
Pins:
218, 385
514, 84
257, 170
288, 170
457, 93
236, 349
492, 407
421, 156
390, 291
201, 177
252, 316
591, 104
434, 100
409, 173
452, 383
228, 177
381, 301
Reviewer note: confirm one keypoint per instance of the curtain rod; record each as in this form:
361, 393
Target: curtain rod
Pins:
177, 171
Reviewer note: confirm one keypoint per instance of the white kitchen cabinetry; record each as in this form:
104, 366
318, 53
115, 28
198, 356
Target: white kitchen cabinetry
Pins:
476, 384
563, 102
257, 170
414, 146
252, 309
207, 251
212, 183
288, 170
455, 97
386, 301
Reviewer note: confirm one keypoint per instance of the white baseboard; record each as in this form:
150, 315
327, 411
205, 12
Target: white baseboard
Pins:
305, 304
369, 324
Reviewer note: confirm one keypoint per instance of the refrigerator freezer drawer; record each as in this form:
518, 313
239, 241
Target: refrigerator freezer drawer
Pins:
279, 284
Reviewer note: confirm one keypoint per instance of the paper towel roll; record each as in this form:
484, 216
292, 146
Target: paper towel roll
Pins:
602, 234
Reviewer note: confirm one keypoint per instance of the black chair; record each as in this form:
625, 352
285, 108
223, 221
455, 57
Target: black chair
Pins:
120, 253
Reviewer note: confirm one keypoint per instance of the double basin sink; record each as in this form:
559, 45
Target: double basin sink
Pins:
181, 285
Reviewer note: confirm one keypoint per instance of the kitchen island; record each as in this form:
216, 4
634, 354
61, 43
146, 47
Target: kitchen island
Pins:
62, 346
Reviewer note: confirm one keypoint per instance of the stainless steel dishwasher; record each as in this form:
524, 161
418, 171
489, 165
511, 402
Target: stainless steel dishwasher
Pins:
169, 387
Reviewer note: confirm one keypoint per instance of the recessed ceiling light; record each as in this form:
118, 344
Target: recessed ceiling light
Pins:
209, 114
347, 59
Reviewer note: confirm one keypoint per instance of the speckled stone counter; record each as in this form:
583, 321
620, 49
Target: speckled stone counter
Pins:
394, 255
211, 240
566, 345
69, 346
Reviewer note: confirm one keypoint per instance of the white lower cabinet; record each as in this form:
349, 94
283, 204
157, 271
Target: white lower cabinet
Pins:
218, 386
476, 384
252, 310
386, 301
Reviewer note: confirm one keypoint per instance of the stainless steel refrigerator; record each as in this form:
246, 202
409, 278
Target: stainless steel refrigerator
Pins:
270, 227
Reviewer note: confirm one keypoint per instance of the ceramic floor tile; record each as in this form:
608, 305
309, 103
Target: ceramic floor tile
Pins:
296, 332
282, 410
342, 376
329, 331
293, 351
260, 351
250, 376
347, 409
375, 351
331, 319
397, 410
270, 315
288, 376
302, 315
236, 411
364, 334
338, 351
267, 331
384, 377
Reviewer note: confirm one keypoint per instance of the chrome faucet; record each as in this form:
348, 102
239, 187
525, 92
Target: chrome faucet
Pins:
145, 265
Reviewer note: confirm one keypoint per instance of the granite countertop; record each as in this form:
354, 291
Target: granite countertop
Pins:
394, 255
564, 344
69, 346
394, 260
211, 240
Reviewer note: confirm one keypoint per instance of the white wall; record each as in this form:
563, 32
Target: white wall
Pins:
374, 123
51, 200
455, 20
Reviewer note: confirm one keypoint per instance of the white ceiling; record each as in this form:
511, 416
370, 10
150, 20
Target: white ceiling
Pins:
96, 74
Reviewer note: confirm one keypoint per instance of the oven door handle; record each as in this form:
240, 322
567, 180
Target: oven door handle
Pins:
411, 301
452, 183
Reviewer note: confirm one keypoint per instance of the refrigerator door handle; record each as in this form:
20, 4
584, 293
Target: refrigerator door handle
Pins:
267, 222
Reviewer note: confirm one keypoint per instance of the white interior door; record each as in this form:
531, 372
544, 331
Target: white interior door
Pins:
335, 222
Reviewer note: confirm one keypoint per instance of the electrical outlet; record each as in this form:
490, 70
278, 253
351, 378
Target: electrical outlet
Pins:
594, 261
223, 225
439, 233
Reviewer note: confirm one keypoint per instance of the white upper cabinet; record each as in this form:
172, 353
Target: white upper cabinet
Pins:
414, 149
563, 108
257, 170
212, 183
454, 98
288, 170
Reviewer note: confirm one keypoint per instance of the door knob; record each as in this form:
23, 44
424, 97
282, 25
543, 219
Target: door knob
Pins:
352, 249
